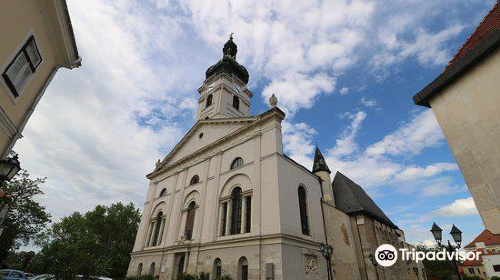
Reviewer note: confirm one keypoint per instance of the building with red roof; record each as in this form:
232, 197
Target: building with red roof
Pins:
486, 240
488, 264
465, 99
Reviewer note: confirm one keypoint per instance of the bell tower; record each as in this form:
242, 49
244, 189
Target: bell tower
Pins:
224, 92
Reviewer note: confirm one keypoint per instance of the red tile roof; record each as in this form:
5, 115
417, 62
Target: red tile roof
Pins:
475, 262
478, 262
490, 23
487, 237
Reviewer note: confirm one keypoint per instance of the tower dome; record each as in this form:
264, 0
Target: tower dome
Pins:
228, 63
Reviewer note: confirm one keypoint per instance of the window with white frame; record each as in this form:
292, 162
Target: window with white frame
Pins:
22, 67
235, 213
237, 162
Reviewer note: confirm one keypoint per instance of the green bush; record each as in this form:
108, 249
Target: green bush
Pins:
472, 278
147, 277
225, 277
186, 276
203, 276
142, 277
495, 278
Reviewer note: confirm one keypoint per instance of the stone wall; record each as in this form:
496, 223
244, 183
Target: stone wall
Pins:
468, 111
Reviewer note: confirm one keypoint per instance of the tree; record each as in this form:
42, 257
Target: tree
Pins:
442, 270
25, 217
97, 243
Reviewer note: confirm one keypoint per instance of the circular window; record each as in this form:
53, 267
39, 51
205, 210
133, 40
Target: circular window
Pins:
200, 135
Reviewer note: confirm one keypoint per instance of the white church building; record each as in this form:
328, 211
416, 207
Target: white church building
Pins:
226, 200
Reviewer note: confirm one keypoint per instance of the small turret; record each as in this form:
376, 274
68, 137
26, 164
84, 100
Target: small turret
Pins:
320, 168
319, 162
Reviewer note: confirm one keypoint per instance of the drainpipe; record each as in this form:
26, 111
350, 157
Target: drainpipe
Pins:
37, 99
362, 250
322, 211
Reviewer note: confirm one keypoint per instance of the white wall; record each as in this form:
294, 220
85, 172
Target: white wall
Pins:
488, 262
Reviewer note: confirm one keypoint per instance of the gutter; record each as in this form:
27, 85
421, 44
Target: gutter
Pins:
72, 35
459, 68
16, 136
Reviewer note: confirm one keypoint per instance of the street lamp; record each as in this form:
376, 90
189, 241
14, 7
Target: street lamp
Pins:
9, 168
456, 234
375, 263
438, 233
327, 251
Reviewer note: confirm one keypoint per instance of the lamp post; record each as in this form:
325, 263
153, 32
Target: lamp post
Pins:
9, 167
375, 263
456, 234
327, 251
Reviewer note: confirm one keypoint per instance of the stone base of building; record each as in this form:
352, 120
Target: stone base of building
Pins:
278, 258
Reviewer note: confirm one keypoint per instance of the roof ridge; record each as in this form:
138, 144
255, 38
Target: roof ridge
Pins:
459, 54
365, 202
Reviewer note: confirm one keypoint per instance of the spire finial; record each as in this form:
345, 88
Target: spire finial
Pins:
230, 49
273, 101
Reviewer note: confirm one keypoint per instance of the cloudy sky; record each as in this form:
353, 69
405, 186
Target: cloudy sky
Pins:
344, 72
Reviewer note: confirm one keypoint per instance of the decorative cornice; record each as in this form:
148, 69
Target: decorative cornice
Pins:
239, 238
211, 148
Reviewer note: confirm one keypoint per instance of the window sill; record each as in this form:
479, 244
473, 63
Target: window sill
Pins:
233, 236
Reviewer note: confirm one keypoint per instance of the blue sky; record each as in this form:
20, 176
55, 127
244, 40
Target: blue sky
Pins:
343, 71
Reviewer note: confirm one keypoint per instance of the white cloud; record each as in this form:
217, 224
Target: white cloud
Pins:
460, 207
416, 172
368, 103
99, 129
423, 131
429, 48
297, 142
381, 164
298, 91
300, 47
346, 145
344, 91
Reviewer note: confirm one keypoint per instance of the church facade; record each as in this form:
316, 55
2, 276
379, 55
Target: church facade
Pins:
227, 201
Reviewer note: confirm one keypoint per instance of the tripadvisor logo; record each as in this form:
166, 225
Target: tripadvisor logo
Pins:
387, 255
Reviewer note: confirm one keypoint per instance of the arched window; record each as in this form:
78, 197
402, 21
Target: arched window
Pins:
194, 180
236, 211
243, 269
209, 101
188, 231
158, 225
217, 270
139, 269
237, 162
163, 192
304, 219
152, 269
236, 102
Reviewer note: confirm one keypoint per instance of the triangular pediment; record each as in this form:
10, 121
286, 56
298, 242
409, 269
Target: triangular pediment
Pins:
202, 134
